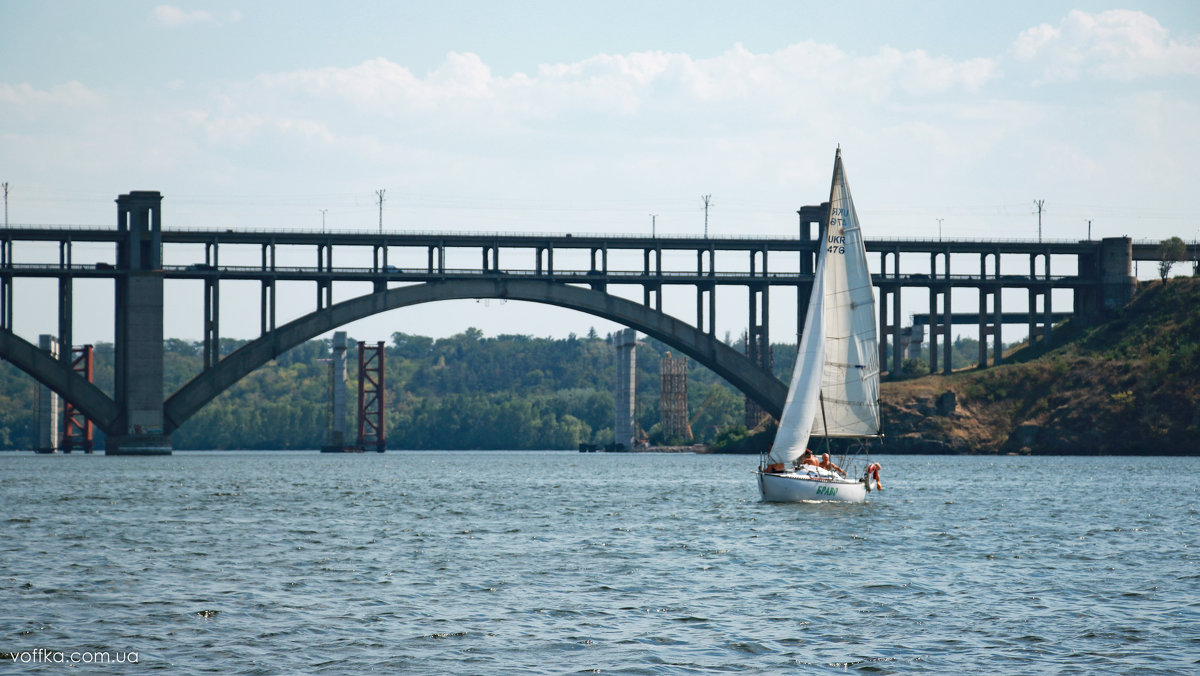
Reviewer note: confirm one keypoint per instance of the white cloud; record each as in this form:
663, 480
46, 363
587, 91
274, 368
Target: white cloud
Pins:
1118, 45
783, 81
70, 94
174, 17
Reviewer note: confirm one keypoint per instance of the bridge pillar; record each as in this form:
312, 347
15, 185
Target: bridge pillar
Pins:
624, 429
939, 327
138, 344
706, 293
758, 345
65, 314
6, 285
989, 321
1111, 267
337, 384
1040, 322
48, 404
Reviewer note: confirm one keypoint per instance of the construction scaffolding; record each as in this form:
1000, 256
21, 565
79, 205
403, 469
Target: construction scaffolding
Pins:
672, 398
77, 429
371, 397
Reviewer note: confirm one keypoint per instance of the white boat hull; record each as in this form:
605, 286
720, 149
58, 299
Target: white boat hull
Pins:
793, 487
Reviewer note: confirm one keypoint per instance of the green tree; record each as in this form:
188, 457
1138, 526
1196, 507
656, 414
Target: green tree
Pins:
1170, 251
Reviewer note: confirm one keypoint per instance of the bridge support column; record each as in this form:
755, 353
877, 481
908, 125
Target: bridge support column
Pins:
1111, 266
624, 429
706, 293
336, 442
267, 306
939, 327
990, 322
66, 312
1040, 321
6, 285
889, 303
138, 344
6, 302
212, 322
758, 346
48, 404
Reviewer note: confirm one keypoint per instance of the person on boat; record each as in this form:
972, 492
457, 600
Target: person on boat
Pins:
775, 467
826, 463
806, 458
873, 471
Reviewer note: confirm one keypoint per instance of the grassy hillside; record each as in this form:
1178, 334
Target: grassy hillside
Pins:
1131, 385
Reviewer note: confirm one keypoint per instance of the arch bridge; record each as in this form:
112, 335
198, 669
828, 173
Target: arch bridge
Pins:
139, 419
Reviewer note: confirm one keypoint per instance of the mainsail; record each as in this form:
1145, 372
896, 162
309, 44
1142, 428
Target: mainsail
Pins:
835, 384
850, 382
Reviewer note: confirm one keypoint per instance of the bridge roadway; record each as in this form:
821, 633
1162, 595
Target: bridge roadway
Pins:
1143, 250
591, 277
1100, 278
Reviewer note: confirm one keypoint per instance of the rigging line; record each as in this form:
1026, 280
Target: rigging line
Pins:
824, 423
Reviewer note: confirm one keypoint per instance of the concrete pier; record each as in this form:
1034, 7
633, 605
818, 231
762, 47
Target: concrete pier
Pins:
48, 405
624, 428
138, 367
336, 443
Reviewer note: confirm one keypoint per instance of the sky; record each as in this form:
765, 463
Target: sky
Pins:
590, 117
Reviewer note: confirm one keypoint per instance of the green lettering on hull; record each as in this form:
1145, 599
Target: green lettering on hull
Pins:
827, 490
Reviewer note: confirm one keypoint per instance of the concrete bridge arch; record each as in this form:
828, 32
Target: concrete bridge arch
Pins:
53, 373
726, 362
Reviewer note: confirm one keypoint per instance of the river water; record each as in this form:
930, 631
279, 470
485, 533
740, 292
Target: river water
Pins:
542, 562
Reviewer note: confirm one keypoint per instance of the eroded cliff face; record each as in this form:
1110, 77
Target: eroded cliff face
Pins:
1130, 385
1064, 406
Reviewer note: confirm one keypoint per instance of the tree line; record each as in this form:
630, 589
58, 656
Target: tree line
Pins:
466, 391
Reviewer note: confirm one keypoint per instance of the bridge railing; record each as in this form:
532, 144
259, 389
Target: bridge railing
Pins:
203, 270
19, 230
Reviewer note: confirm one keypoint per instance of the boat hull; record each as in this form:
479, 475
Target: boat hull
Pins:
790, 487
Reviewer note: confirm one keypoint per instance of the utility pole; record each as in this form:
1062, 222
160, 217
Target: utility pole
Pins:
323, 220
1039, 204
939, 220
707, 203
379, 194
653, 229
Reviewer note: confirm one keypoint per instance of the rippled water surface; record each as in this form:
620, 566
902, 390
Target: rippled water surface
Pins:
555, 563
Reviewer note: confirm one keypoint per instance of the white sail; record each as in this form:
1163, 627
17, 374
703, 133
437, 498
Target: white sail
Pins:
835, 384
803, 399
850, 382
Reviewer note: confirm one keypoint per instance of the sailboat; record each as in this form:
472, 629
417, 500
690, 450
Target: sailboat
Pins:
834, 392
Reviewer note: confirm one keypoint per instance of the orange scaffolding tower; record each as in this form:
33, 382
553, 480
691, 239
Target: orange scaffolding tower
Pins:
77, 429
371, 397
672, 398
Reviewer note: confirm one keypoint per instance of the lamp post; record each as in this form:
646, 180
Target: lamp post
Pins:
323, 220
939, 220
